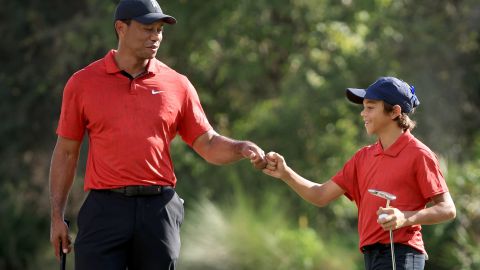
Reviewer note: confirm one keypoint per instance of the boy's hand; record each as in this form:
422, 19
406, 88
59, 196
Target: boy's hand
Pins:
276, 165
390, 218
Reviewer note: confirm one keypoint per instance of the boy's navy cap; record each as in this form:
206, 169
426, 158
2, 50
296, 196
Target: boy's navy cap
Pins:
142, 11
389, 89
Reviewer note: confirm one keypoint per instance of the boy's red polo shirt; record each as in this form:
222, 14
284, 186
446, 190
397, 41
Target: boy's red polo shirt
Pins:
130, 123
407, 169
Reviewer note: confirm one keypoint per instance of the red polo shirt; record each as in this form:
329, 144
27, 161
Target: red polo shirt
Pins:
407, 169
130, 122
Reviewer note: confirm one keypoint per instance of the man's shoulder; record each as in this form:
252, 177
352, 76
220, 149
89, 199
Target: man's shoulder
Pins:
161, 67
93, 68
85, 76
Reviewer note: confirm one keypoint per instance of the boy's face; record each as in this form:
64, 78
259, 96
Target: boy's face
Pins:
376, 120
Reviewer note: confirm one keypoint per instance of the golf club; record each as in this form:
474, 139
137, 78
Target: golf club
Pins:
389, 197
63, 256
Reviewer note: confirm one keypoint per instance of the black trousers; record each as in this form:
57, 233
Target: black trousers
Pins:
379, 257
117, 232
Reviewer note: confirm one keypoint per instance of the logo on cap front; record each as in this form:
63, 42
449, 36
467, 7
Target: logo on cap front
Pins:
155, 4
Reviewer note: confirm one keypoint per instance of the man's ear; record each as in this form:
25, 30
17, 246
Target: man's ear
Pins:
120, 27
396, 112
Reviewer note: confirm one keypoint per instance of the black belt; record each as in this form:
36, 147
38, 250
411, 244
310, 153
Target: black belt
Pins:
130, 191
384, 247
376, 246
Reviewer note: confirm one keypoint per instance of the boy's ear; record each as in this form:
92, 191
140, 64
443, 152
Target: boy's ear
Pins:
396, 112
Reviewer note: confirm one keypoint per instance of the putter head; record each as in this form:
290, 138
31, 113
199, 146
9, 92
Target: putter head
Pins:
382, 194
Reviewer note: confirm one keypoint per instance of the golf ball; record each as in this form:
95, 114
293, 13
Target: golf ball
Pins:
382, 216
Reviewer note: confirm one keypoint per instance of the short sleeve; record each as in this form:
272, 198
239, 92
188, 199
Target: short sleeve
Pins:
346, 178
71, 123
429, 177
193, 122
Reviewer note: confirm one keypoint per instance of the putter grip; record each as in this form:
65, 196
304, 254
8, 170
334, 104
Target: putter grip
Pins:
63, 259
63, 256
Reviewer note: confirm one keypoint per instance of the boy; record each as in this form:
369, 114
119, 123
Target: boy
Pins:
397, 163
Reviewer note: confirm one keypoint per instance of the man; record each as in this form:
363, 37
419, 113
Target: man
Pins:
132, 106
398, 164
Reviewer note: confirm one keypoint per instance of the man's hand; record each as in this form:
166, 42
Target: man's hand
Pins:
255, 154
59, 237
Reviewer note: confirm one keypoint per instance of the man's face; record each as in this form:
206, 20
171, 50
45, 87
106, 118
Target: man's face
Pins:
141, 40
376, 120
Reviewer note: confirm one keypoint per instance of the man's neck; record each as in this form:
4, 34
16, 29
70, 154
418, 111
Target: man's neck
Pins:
130, 64
389, 136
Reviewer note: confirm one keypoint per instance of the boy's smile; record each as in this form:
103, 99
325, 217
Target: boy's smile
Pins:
374, 117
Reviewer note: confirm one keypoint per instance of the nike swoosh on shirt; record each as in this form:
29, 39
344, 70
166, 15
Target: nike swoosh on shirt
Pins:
154, 92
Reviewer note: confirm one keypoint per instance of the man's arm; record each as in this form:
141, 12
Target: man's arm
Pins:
220, 150
441, 210
62, 172
315, 193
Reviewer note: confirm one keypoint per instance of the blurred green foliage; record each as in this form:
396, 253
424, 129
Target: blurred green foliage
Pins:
245, 236
268, 71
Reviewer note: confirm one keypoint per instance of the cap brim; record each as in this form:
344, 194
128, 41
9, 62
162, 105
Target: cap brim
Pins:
355, 95
153, 17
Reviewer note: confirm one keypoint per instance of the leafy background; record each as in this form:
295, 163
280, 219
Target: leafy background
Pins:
273, 72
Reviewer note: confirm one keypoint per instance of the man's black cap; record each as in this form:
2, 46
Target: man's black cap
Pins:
142, 11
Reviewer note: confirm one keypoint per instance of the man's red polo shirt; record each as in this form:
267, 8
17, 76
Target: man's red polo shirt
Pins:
130, 122
407, 169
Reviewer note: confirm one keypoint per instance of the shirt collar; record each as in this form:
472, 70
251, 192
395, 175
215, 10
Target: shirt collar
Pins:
111, 64
151, 67
396, 147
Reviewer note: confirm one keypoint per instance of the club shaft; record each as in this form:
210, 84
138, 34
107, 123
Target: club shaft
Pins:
392, 250
63, 260
63, 256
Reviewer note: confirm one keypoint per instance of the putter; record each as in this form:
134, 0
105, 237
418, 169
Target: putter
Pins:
63, 256
389, 197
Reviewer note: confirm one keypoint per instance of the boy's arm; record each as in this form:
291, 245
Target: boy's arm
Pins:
315, 193
441, 210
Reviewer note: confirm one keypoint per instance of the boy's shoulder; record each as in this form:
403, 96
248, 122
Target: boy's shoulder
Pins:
410, 145
368, 150
415, 146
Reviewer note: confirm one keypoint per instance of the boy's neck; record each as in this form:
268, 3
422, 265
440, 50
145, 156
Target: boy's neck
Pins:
389, 136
